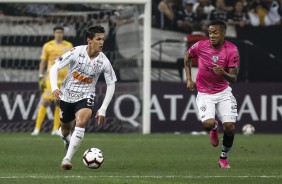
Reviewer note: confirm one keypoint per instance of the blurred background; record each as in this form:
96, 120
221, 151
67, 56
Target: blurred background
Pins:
255, 26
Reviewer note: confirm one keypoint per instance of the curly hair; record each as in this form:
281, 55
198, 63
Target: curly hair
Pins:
220, 23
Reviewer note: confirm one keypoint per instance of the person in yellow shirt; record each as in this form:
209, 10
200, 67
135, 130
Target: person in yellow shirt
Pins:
51, 51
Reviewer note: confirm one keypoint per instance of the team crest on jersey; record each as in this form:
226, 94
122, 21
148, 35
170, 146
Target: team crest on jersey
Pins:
81, 55
215, 58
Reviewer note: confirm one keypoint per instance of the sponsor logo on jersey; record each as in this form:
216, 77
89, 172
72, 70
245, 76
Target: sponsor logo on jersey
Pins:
74, 96
82, 78
98, 61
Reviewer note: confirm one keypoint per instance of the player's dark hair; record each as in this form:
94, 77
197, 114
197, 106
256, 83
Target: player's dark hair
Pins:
220, 23
58, 28
91, 31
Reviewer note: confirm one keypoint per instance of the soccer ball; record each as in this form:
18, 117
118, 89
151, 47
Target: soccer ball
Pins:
248, 129
93, 158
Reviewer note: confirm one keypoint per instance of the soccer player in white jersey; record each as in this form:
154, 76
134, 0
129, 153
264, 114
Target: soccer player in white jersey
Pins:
218, 63
77, 91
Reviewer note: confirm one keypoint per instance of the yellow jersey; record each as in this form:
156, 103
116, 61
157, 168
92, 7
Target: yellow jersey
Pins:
50, 52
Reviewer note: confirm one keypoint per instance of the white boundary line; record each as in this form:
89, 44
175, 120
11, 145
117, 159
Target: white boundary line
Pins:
139, 177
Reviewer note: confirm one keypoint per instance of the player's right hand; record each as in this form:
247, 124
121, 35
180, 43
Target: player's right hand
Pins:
41, 84
190, 85
57, 94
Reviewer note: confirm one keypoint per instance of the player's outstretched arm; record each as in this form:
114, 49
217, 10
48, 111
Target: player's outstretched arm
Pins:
100, 115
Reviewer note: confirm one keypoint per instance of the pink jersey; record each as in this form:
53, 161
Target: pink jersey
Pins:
227, 56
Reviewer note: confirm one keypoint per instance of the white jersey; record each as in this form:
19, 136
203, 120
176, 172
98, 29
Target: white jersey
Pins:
83, 73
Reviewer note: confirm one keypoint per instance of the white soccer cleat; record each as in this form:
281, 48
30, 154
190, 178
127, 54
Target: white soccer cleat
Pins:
66, 165
55, 132
35, 133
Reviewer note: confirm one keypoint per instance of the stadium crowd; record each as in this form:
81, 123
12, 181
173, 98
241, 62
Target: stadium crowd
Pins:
175, 15
182, 15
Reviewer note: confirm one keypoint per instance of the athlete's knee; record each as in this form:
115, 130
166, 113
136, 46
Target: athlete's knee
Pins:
81, 121
229, 128
82, 117
208, 124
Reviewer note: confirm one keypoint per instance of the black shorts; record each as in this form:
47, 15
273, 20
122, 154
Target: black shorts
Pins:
68, 110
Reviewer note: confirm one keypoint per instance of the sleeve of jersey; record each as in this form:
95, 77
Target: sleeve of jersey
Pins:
60, 63
109, 74
193, 51
65, 59
54, 76
234, 59
108, 97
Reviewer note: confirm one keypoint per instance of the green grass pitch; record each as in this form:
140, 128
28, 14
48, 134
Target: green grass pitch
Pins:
141, 159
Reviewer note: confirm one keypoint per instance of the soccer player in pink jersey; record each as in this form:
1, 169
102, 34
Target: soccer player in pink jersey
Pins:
218, 66
77, 92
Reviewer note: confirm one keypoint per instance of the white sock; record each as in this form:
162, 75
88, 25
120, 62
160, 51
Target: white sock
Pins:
75, 140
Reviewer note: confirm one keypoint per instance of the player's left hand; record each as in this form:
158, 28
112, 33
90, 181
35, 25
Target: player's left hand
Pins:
191, 85
57, 94
41, 84
100, 119
219, 70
